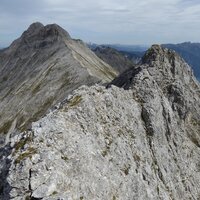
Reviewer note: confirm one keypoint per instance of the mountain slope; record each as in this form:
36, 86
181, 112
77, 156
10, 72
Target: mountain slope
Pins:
41, 68
190, 52
134, 56
121, 47
139, 143
114, 58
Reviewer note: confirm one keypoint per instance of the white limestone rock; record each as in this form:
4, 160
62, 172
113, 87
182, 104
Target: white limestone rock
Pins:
141, 143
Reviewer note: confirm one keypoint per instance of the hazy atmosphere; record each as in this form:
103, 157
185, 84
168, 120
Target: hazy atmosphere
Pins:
106, 21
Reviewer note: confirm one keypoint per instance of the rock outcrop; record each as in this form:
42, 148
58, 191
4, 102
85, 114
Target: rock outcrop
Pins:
140, 141
40, 69
190, 52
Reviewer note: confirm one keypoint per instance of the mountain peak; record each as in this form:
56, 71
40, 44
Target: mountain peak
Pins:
166, 64
155, 53
56, 30
38, 35
34, 26
160, 64
33, 29
50, 29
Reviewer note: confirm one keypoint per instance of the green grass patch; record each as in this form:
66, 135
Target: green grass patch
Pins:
114, 198
108, 73
54, 193
65, 80
195, 122
21, 143
194, 139
75, 101
36, 89
5, 128
28, 154
65, 158
104, 153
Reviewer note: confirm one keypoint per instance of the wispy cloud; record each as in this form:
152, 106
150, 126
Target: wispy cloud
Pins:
106, 21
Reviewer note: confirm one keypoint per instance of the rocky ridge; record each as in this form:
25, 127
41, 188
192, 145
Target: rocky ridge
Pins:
139, 140
39, 70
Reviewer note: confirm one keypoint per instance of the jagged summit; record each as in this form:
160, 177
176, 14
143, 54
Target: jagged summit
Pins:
162, 64
152, 53
158, 53
35, 26
164, 70
38, 35
44, 31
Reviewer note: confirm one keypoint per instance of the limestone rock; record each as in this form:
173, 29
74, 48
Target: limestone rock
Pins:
140, 143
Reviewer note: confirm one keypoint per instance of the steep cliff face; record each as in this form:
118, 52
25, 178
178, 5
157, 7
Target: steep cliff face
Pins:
39, 69
140, 141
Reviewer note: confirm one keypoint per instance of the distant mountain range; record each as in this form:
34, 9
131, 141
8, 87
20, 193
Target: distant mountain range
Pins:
122, 47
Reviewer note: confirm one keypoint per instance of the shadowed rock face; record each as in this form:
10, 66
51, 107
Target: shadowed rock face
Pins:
39, 69
139, 143
114, 58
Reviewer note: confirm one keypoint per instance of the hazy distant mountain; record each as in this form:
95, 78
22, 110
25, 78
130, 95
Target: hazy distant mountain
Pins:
190, 52
41, 68
121, 47
114, 58
117, 58
130, 48
134, 56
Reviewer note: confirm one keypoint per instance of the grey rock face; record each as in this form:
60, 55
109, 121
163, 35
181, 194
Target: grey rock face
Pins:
190, 52
167, 70
141, 143
39, 69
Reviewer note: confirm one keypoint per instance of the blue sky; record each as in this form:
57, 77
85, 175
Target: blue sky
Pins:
106, 21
